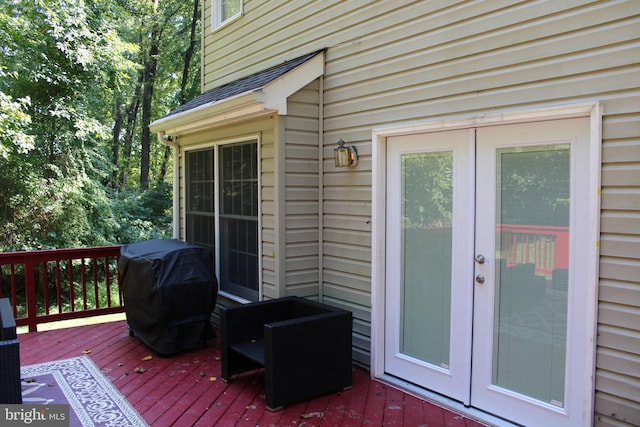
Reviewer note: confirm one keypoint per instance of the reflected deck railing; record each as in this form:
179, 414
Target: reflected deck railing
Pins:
545, 246
61, 284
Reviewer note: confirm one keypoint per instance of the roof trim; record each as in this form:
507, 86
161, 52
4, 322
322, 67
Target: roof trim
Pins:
263, 92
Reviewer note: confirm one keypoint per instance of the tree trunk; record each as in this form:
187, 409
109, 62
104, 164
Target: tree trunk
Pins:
195, 17
117, 131
132, 119
150, 68
164, 167
182, 96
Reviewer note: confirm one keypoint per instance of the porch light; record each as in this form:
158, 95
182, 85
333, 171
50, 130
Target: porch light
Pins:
345, 155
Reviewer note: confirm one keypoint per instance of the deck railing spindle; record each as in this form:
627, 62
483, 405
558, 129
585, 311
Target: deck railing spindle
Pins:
30, 288
45, 286
107, 276
72, 296
59, 286
13, 289
83, 284
96, 291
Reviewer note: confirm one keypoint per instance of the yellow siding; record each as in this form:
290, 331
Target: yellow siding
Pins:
399, 62
301, 193
618, 352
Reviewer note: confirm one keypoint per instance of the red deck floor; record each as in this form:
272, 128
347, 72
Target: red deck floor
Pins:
185, 390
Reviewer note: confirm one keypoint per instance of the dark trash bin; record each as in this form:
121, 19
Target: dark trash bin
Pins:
170, 290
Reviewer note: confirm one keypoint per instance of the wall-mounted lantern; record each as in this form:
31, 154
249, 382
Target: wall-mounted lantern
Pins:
345, 155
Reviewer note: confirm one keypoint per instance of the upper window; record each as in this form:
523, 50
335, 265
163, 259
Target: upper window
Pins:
223, 11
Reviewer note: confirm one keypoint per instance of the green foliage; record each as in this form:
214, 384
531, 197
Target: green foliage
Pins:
139, 214
13, 121
64, 65
427, 186
535, 186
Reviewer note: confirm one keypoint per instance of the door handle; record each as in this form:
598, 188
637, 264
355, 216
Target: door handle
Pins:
480, 259
480, 279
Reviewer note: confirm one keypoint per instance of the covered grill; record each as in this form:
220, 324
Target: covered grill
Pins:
170, 290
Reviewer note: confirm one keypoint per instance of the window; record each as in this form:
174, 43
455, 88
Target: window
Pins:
223, 11
221, 211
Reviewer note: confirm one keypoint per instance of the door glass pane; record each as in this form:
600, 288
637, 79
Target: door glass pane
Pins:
427, 192
239, 220
532, 253
200, 194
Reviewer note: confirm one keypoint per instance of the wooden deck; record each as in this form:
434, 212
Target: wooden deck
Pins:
185, 390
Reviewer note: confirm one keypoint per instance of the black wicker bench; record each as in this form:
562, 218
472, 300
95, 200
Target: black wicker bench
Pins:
10, 388
303, 346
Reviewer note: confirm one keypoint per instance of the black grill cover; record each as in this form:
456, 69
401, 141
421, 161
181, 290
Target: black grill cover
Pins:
170, 290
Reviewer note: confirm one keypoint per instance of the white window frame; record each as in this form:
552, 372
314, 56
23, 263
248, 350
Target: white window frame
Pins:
216, 14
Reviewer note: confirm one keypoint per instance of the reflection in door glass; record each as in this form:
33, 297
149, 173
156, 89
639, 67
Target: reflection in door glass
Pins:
427, 192
532, 245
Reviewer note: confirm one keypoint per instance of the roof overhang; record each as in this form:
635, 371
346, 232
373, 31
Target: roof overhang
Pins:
265, 99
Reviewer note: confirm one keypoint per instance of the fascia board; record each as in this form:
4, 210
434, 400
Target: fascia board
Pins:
215, 111
225, 118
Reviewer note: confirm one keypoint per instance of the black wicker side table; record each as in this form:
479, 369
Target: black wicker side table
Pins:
10, 388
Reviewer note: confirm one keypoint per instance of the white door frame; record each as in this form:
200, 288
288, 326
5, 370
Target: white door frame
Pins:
593, 110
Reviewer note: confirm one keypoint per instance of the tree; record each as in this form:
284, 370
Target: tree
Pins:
80, 80
63, 62
187, 88
428, 180
166, 30
149, 75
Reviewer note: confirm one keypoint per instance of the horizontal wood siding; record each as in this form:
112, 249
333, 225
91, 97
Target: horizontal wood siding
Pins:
301, 193
400, 62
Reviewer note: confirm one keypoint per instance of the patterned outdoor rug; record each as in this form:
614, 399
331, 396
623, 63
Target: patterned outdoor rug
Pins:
78, 382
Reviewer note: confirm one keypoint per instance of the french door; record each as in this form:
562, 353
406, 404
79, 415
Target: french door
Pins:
486, 283
429, 196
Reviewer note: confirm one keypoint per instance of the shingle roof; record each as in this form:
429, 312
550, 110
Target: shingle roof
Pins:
245, 84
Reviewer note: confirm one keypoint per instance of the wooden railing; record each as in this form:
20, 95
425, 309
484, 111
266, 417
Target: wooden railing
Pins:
61, 284
547, 247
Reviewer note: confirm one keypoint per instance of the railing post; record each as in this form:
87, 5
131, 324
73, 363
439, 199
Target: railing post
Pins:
30, 289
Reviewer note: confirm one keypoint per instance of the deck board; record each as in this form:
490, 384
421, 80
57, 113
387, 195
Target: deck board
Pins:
186, 390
